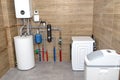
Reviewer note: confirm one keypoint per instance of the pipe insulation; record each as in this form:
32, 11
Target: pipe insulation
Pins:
54, 53
43, 59
60, 46
54, 48
60, 54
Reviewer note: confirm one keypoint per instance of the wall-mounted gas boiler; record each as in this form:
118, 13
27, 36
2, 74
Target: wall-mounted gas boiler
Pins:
23, 8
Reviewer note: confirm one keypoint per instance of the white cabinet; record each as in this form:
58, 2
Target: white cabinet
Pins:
81, 46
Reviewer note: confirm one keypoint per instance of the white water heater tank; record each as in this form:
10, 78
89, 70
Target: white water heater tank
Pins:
23, 8
24, 52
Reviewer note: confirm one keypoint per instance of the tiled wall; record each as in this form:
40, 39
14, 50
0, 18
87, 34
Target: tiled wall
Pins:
106, 24
11, 31
4, 66
116, 27
74, 17
7, 31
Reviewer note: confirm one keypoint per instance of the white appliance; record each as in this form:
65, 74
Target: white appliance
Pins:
36, 16
24, 52
23, 8
81, 46
102, 65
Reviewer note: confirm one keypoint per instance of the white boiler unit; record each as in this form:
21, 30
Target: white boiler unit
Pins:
23, 8
81, 46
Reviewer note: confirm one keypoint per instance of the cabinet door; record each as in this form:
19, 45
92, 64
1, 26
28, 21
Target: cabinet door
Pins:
79, 52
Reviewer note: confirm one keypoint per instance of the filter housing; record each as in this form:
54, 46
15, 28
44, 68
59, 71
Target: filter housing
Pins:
102, 65
23, 8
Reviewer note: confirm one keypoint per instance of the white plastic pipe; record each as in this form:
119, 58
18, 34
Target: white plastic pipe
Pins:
21, 30
28, 27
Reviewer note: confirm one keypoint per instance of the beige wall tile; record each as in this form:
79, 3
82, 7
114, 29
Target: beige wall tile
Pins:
74, 17
106, 23
7, 21
4, 62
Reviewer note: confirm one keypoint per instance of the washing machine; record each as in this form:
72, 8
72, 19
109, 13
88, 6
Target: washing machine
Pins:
81, 46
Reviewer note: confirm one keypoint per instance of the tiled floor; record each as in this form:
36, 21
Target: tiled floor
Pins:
45, 71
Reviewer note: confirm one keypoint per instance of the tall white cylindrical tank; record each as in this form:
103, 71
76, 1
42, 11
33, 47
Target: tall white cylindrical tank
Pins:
24, 52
